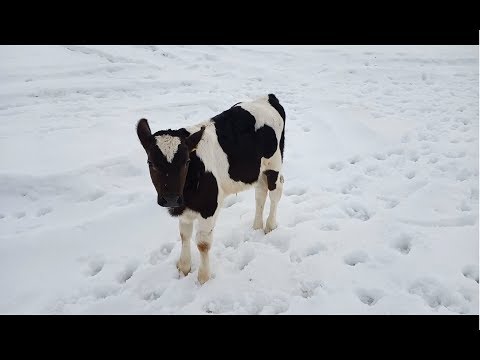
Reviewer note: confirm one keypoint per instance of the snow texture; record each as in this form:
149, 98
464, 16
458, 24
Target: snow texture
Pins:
380, 207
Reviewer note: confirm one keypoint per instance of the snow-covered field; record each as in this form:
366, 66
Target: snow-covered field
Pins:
380, 206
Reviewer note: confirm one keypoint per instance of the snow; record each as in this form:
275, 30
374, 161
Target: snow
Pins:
380, 207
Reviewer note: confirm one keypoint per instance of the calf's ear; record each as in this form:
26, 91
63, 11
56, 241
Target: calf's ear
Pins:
193, 140
144, 133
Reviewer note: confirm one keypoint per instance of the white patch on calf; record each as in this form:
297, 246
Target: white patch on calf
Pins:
264, 114
168, 145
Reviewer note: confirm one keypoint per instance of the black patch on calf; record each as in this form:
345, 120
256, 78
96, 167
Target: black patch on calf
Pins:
176, 211
272, 99
282, 142
266, 142
200, 191
243, 145
272, 176
182, 133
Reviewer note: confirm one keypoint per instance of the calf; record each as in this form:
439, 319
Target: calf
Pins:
195, 168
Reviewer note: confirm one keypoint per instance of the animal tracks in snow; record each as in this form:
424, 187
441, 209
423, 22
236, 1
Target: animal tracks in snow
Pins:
44, 211
357, 211
95, 267
356, 257
389, 203
245, 257
355, 159
308, 288
314, 249
437, 295
410, 174
369, 296
337, 166
161, 253
20, 214
471, 272
403, 243
380, 156
127, 273
329, 227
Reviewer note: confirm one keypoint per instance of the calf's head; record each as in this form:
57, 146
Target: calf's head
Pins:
168, 153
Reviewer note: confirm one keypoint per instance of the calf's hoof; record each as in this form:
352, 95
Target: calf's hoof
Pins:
183, 267
269, 227
203, 277
257, 225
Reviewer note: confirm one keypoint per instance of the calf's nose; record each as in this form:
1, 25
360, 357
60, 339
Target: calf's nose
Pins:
170, 200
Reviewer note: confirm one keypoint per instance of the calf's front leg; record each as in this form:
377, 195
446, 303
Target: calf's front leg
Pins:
184, 263
204, 238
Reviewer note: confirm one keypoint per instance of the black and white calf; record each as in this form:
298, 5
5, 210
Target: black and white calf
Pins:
194, 169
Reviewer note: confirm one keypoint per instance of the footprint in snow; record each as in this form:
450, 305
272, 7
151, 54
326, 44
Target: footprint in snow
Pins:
356, 257
314, 249
403, 243
471, 272
127, 273
395, 152
44, 211
159, 254
463, 175
350, 189
380, 156
245, 258
95, 266
20, 214
433, 159
337, 166
464, 206
308, 288
410, 174
372, 170
357, 211
330, 227
413, 157
369, 296
354, 160
390, 203
152, 295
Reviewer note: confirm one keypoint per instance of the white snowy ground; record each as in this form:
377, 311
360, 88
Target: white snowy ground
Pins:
380, 208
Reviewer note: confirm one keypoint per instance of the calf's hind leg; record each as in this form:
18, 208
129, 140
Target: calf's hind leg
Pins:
275, 187
260, 198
